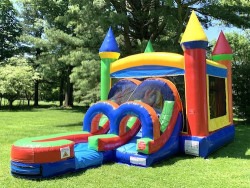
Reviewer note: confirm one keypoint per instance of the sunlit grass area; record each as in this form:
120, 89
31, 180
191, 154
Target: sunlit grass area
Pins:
228, 167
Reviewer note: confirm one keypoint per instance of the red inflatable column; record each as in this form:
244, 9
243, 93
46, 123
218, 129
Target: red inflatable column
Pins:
223, 54
194, 43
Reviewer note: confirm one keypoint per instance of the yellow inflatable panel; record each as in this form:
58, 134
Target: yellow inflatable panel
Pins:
153, 58
217, 123
215, 64
109, 55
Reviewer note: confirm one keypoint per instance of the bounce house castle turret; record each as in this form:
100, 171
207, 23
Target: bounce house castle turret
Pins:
208, 92
109, 52
194, 47
149, 48
223, 54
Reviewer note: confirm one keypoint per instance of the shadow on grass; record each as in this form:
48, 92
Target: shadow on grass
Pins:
79, 172
237, 149
61, 176
82, 109
79, 124
17, 108
172, 160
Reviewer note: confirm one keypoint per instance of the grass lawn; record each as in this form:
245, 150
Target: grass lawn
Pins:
228, 167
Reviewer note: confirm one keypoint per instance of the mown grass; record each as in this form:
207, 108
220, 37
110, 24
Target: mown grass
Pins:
228, 167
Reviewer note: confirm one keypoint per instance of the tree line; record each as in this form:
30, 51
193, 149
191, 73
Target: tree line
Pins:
49, 48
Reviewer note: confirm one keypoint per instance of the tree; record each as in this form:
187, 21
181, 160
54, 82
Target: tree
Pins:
69, 41
77, 37
163, 22
241, 77
9, 30
74, 30
32, 43
15, 81
83, 56
55, 34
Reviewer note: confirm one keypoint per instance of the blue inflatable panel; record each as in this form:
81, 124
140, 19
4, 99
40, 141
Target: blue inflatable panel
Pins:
85, 157
108, 156
128, 154
42, 170
147, 71
203, 146
18, 168
58, 168
194, 44
216, 71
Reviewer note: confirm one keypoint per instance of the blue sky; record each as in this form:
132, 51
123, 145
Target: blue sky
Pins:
213, 32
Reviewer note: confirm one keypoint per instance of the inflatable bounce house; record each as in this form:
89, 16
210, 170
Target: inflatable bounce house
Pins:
142, 118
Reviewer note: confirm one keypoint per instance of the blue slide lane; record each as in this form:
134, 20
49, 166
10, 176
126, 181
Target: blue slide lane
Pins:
85, 157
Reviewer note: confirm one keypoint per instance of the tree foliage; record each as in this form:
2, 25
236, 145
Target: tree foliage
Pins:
61, 39
9, 30
163, 22
16, 82
241, 76
71, 39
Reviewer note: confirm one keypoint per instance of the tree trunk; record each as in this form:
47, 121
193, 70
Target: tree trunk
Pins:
38, 53
11, 103
61, 90
36, 95
71, 98
128, 45
68, 101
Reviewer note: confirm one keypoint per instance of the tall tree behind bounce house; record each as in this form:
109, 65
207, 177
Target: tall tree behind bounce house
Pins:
241, 76
163, 22
74, 30
9, 30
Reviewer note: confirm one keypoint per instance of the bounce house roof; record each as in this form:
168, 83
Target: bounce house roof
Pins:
157, 64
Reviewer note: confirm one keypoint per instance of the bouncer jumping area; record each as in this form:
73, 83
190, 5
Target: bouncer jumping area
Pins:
145, 115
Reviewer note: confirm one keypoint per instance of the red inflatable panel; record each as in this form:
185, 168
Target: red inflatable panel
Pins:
40, 155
